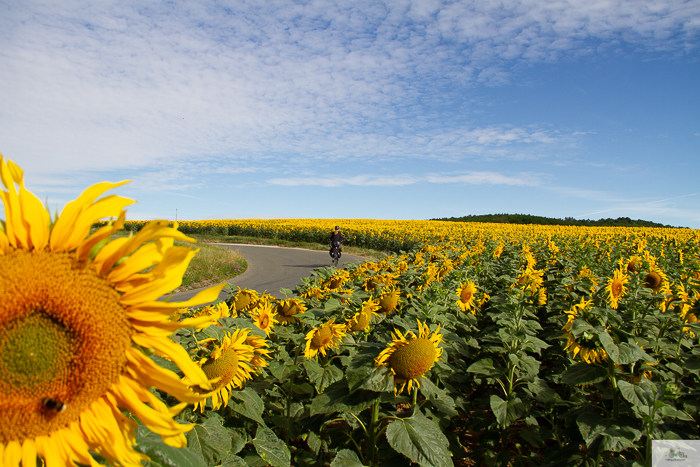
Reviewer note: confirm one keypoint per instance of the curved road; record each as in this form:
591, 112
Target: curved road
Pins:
271, 268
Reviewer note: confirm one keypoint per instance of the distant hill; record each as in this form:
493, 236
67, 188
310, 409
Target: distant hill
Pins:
529, 219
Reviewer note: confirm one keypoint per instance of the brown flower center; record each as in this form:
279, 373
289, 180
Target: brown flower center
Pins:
63, 341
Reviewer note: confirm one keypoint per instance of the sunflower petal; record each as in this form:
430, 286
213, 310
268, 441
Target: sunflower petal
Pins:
64, 236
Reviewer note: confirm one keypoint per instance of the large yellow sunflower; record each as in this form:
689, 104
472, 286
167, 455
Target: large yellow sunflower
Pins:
75, 314
389, 300
616, 288
361, 320
411, 359
587, 346
657, 281
466, 292
230, 365
244, 300
286, 309
323, 338
264, 317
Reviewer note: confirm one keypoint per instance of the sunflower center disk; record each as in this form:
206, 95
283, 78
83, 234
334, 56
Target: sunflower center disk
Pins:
63, 341
321, 338
224, 368
413, 359
34, 350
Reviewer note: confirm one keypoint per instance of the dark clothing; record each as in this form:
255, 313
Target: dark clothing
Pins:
336, 236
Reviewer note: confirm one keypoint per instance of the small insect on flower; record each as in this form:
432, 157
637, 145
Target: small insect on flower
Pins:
53, 404
79, 318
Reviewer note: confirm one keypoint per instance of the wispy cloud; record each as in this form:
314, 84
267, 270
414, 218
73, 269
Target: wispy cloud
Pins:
472, 178
95, 86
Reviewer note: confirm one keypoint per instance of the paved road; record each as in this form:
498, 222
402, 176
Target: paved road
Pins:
271, 268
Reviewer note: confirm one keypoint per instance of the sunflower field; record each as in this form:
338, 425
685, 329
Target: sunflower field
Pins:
467, 344
483, 345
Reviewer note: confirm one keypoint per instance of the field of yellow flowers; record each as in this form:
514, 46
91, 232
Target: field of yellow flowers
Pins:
469, 344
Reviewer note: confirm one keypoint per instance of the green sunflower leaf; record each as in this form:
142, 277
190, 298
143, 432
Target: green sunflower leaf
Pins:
210, 440
609, 345
248, 403
168, 456
322, 376
486, 367
346, 458
420, 440
271, 448
584, 373
506, 411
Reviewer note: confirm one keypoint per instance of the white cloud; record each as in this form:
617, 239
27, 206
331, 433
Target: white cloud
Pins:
100, 86
471, 178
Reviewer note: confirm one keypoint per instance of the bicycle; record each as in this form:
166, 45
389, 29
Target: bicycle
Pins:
335, 253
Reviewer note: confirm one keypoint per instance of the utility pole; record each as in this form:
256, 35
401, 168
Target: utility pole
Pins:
175, 214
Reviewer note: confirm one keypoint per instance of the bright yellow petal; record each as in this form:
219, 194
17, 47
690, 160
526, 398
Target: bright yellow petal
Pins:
63, 230
103, 233
166, 277
177, 354
148, 255
36, 216
28, 452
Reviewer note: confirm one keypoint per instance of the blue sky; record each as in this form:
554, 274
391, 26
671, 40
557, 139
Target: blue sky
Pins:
397, 110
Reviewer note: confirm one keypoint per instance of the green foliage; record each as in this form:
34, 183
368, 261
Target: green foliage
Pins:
525, 377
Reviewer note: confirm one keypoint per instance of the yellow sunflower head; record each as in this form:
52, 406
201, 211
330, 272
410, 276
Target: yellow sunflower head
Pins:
361, 320
323, 338
337, 280
227, 367
499, 250
260, 352
215, 312
466, 292
244, 300
588, 345
531, 279
616, 288
312, 292
409, 357
634, 264
76, 310
264, 317
389, 300
379, 280
286, 309
657, 281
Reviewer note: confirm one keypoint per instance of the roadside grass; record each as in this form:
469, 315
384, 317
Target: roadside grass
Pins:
370, 255
212, 265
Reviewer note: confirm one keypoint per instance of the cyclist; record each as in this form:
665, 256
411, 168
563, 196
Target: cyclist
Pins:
336, 240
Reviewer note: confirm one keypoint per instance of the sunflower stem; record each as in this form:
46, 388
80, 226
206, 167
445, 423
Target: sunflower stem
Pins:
616, 391
372, 437
289, 397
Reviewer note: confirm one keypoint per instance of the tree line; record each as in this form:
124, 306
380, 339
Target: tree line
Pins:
530, 219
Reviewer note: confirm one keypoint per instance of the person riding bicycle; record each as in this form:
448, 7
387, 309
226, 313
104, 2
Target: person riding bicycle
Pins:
336, 240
